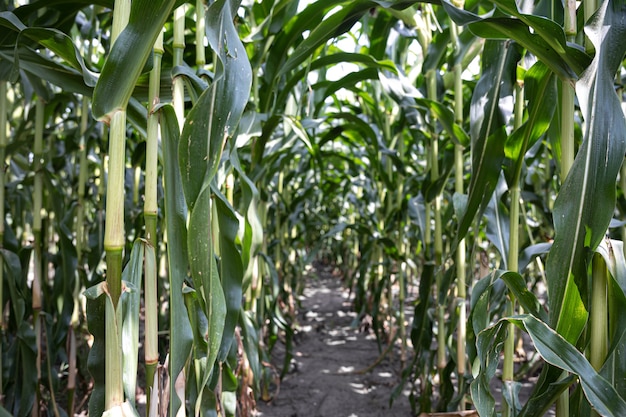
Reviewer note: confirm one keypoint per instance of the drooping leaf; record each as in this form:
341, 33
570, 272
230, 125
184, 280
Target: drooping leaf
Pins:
557, 351
181, 337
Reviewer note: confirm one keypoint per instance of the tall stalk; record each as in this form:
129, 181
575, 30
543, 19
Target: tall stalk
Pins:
114, 239
431, 88
425, 37
37, 232
200, 33
567, 146
82, 180
178, 87
513, 255
598, 344
80, 241
461, 260
3, 145
150, 216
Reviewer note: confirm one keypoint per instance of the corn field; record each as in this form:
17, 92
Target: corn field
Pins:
171, 167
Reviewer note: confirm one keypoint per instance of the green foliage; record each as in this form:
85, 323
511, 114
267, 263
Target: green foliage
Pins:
326, 132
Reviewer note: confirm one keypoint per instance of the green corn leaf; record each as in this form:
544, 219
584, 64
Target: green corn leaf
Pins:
557, 351
507, 28
552, 33
489, 345
195, 84
290, 32
12, 264
531, 252
96, 320
586, 202
541, 90
62, 45
498, 222
132, 274
517, 285
30, 61
487, 127
231, 269
445, 116
181, 337
331, 26
253, 230
214, 118
463, 17
128, 56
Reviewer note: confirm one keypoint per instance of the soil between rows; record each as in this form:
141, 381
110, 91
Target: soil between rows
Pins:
330, 354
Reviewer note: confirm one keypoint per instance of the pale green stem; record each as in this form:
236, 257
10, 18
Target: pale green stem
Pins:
431, 87
200, 33
590, 7
114, 221
461, 254
136, 183
424, 36
114, 391
567, 148
82, 180
71, 371
513, 255
114, 234
599, 313
150, 208
599, 325
178, 88
37, 233
3, 144
280, 227
567, 129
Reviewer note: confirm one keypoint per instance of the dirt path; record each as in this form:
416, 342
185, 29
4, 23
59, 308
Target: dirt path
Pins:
328, 354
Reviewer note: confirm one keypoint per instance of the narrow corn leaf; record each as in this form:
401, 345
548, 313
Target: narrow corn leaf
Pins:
541, 90
214, 118
585, 204
132, 274
96, 322
498, 222
253, 230
332, 26
181, 337
487, 127
129, 55
231, 270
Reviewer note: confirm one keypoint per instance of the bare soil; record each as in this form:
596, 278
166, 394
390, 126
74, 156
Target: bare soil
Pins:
329, 374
